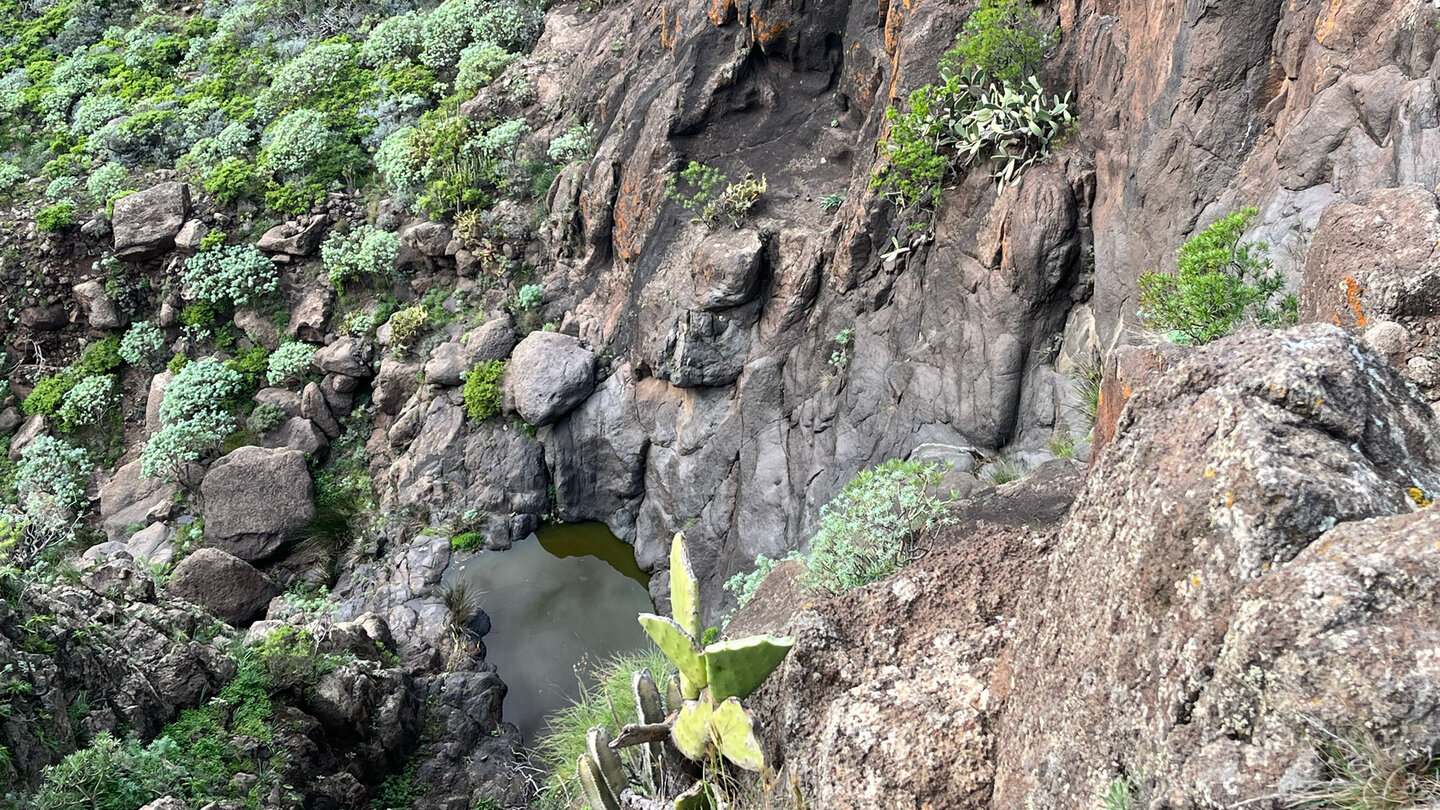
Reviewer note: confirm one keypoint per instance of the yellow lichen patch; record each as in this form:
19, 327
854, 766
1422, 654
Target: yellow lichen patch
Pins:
1418, 496
669, 37
1353, 293
763, 33
721, 11
1209, 472
1325, 25
1229, 499
1195, 580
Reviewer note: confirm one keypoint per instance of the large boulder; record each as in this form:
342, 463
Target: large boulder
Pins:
130, 500
254, 498
99, 309
146, 222
223, 584
349, 356
394, 384
294, 238
548, 375
727, 269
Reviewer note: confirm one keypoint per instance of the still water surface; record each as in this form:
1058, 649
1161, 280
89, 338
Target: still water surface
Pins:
564, 597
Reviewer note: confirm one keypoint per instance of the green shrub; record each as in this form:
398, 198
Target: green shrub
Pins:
233, 179
106, 181
289, 362
252, 364
194, 418
1118, 795
1221, 284
142, 345
407, 325
57, 217
872, 528
482, 390
709, 194
294, 143
577, 143
88, 402
365, 251
744, 585
266, 417
480, 64
468, 541
49, 394
530, 297
1004, 39
238, 274
53, 470
100, 357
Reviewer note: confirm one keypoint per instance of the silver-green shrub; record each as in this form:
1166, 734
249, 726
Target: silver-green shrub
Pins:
88, 402
294, 142
480, 64
289, 362
106, 181
239, 274
365, 251
194, 416
577, 143
52, 474
142, 345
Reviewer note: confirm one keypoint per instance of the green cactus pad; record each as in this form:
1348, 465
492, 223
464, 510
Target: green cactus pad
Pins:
695, 797
684, 596
732, 730
597, 744
691, 732
737, 668
597, 793
680, 647
648, 706
673, 698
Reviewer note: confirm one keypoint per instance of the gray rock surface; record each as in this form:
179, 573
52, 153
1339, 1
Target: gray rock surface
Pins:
254, 498
99, 310
129, 499
547, 376
223, 584
147, 221
294, 238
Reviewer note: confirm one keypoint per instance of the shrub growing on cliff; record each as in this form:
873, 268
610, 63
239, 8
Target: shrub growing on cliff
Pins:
365, 251
1004, 39
1221, 284
238, 274
873, 527
194, 418
52, 472
289, 362
482, 390
710, 195
88, 402
57, 217
143, 345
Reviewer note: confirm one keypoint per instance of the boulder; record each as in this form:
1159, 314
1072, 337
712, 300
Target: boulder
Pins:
314, 407
29, 431
146, 222
166, 803
310, 316
51, 318
548, 375
298, 433
447, 364
152, 544
726, 269
282, 398
429, 239
153, 399
10, 419
703, 350
192, 234
99, 310
394, 384
120, 578
348, 355
258, 327
254, 498
1387, 337
294, 238
129, 499
492, 340
223, 584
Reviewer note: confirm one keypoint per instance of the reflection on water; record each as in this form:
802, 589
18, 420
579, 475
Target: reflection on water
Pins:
571, 595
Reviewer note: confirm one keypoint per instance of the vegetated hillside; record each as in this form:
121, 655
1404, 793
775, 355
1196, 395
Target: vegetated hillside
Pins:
295, 294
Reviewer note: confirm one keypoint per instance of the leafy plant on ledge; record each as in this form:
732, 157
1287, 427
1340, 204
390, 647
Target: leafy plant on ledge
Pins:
712, 197
707, 724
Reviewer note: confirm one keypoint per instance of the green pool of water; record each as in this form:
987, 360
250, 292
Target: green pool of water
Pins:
564, 598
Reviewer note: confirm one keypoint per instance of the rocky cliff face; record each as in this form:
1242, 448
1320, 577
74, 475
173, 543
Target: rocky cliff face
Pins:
1245, 572
723, 412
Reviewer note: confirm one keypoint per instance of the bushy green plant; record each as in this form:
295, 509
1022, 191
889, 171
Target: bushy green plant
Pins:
480, 64
295, 142
143, 345
407, 325
708, 193
483, 394
237, 274
873, 527
577, 143
233, 179
10, 175
743, 585
57, 217
106, 181
194, 418
266, 417
53, 470
1221, 284
530, 297
1003, 39
49, 394
289, 362
88, 402
365, 251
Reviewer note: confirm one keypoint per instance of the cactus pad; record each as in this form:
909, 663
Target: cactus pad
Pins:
597, 793
684, 596
732, 730
695, 797
680, 647
691, 732
597, 744
737, 668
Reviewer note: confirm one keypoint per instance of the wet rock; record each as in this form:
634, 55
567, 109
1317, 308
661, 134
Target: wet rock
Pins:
548, 375
254, 498
99, 310
147, 221
597, 456
223, 584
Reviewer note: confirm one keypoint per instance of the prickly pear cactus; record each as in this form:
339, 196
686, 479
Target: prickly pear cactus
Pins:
597, 793
650, 710
737, 668
612, 770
